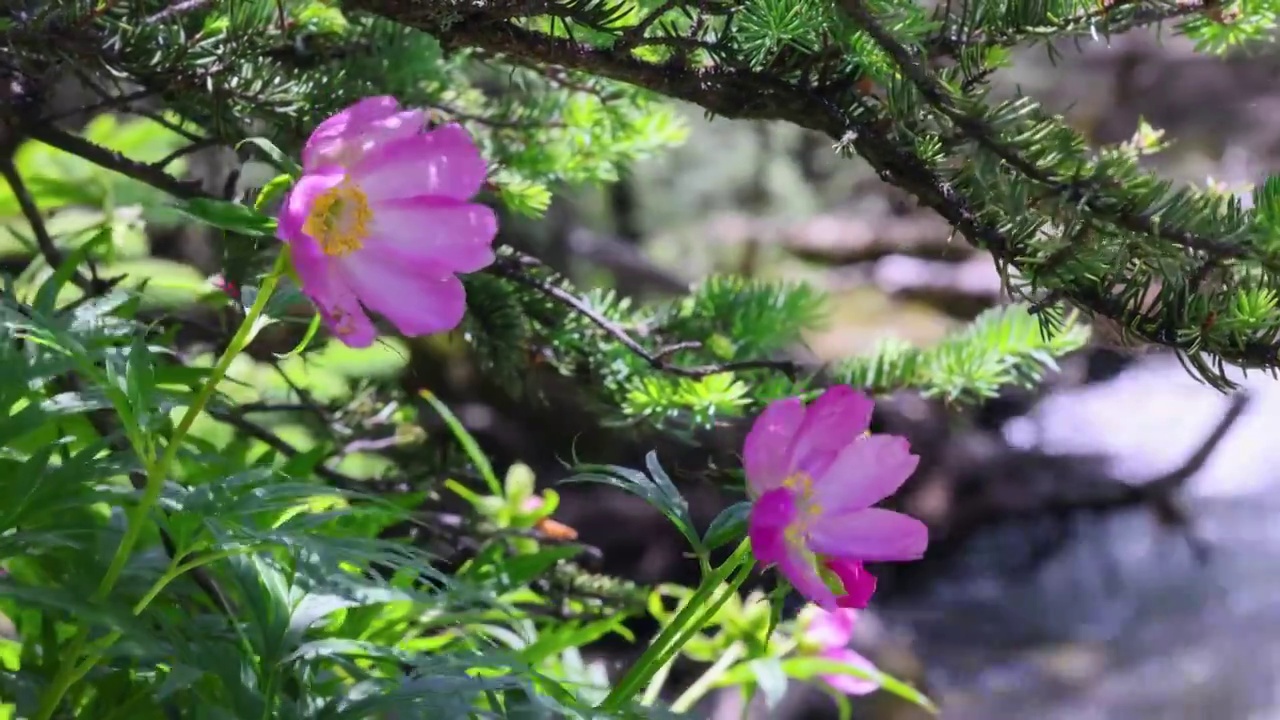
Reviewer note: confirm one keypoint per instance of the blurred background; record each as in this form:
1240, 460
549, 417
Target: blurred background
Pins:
1104, 548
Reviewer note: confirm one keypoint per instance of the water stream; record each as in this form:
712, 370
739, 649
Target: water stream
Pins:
1125, 624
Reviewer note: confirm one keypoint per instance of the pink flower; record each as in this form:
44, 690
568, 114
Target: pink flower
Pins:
344, 138
225, 286
814, 474
827, 635
381, 219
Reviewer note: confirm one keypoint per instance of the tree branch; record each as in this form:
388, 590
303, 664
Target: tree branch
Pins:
92, 285
118, 162
658, 360
1084, 192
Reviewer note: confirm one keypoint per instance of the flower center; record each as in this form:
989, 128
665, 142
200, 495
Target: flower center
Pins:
801, 484
339, 219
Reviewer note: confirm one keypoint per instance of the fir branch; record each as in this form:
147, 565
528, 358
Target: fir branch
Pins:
1083, 192
657, 359
1110, 18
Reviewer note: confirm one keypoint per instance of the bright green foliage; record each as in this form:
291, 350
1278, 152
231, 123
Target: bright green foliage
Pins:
1004, 346
330, 617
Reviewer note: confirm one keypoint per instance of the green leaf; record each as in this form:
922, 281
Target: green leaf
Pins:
655, 489
729, 525
229, 216
1266, 202
46, 300
771, 679
282, 162
274, 187
555, 639
519, 570
312, 328
811, 667
469, 444
518, 485
140, 380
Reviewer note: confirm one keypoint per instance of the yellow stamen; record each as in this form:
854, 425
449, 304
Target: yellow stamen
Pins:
340, 219
802, 485
800, 482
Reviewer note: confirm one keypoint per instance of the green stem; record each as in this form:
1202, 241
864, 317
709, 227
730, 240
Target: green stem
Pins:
157, 472
69, 672
703, 685
178, 570
654, 688
691, 616
727, 591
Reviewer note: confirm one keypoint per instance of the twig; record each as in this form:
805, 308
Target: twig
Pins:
183, 151
112, 160
636, 35
509, 269
52, 255
106, 103
948, 44
1159, 491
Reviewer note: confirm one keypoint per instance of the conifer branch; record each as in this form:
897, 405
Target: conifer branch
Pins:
660, 359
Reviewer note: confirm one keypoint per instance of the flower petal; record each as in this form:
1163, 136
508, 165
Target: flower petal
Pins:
418, 298
336, 302
859, 584
443, 232
347, 135
764, 455
828, 629
443, 162
797, 566
831, 423
373, 107
864, 473
871, 535
297, 207
767, 524
850, 684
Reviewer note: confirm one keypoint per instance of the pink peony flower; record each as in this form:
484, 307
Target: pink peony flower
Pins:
827, 635
814, 474
381, 219
344, 138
